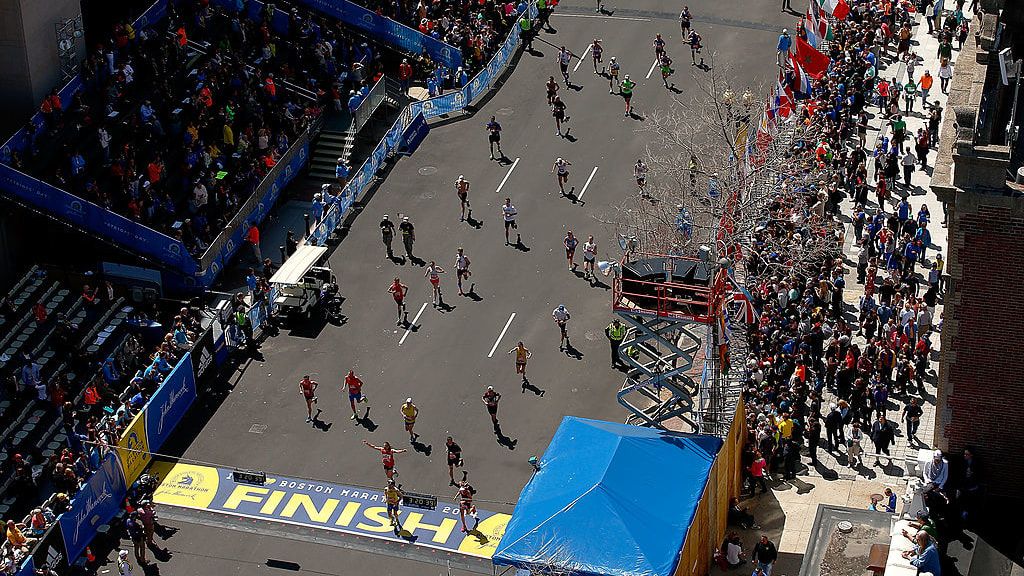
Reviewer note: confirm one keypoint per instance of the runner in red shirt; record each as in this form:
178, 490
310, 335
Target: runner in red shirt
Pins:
387, 457
398, 292
355, 393
307, 388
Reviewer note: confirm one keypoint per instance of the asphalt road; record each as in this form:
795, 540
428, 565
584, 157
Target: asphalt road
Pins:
445, 363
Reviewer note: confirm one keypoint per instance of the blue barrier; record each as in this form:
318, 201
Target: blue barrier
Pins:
391, 32
169, 403
96, 503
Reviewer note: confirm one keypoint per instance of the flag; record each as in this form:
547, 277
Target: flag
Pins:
823, 30
811, 59
801, 82
810, 26
839, 9
744, 306
783, 96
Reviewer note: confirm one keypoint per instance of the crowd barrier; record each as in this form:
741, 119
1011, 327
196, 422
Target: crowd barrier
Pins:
410, 129
100, 499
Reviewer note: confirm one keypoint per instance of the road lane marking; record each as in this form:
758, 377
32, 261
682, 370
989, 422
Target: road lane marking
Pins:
653, 66
502, 335
584, 191
507, 174
579, 60
413, 323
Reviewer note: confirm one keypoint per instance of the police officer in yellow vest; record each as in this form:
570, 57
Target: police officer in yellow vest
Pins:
616, 333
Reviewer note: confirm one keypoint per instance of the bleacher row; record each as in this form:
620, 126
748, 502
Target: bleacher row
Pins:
31, 427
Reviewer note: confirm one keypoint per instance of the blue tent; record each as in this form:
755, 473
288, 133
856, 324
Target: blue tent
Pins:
609, 499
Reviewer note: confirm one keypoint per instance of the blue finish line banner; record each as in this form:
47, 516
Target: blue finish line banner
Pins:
326, 506
389, 31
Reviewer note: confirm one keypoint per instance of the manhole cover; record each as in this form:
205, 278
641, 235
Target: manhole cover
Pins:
504, 111
590, 336
258, 428
428, 170
845, 527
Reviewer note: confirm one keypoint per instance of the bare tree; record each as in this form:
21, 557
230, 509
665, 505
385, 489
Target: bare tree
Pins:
714, 180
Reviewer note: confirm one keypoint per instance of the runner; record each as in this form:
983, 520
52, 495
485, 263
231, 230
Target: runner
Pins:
640, 173
570, 242
398, 292
626, 89
613, 75
387, 457
659, 46
462, 269
433, 272
563, 172
684, 22
666, 69
564, 57
558, 111
561, 318
589, 257
355, 394
494, 137
490, 399
462, 191
465, 498
595, 51
454, 458
408, 235
307, 388
522, 355
552, 89
694, 41
387, 232
409, 413
509, 212
393, 497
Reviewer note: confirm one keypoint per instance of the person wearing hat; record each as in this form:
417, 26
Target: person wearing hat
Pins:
341, 172
124, 567
626, 89
616, 333
317, 209
561, 317
613, 74
785, 42
408, 235
387, 232
409, 413
462, 191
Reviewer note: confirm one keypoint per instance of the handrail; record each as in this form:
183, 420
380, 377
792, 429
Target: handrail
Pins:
374, 98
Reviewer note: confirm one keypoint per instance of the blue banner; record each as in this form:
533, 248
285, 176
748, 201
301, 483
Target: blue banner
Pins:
96, 503
169, 403
414, 134
96, 219
389, 31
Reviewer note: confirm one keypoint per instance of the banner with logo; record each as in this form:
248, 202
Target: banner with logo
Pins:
203, 354
169, 403
133, 448
96, 503
388, 31
326, 506
50, 552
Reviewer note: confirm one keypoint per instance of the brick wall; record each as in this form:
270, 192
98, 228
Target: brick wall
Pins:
981, 375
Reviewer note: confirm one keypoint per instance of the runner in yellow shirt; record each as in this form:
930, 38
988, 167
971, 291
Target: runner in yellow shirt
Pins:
409, 412
522, 355
393, 497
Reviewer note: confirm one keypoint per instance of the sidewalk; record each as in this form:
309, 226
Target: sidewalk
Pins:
787, 512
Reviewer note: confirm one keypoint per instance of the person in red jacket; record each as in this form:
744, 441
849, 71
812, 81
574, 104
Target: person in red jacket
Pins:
405, 75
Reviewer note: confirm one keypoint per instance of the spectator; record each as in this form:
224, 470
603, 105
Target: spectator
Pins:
764, 554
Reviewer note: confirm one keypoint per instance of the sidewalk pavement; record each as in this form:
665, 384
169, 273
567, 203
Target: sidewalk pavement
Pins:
786, 514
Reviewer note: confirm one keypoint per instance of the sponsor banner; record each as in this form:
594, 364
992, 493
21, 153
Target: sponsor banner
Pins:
203, 355
133, 448
50, 552
96, 503
326, 506
96, 219
168, 405
414, 134
389, 31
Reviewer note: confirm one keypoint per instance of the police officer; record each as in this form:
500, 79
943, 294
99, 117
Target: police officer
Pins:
526, 30
616, 333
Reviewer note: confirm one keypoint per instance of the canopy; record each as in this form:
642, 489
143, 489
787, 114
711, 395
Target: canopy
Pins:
298, 264
609, 499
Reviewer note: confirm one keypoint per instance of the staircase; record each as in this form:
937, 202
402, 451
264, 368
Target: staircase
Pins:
331, 145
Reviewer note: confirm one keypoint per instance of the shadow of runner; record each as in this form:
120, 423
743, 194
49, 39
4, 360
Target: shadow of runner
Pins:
422, 448
504, 440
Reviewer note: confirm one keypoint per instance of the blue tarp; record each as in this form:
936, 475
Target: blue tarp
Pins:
609, 499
